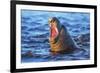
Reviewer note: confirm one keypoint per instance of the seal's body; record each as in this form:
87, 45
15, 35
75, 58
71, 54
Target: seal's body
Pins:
60, 40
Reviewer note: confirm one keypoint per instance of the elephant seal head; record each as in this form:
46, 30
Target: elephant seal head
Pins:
54, 27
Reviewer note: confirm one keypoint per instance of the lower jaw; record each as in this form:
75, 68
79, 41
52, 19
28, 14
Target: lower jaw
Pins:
53, 38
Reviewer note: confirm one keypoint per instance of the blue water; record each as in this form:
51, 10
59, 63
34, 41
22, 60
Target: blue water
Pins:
35, 34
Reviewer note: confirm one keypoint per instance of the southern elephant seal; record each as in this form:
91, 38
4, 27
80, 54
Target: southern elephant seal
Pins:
60, 40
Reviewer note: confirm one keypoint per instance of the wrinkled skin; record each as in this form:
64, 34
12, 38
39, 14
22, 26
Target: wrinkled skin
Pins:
60, 40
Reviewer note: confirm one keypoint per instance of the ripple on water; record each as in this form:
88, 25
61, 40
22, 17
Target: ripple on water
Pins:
35, 33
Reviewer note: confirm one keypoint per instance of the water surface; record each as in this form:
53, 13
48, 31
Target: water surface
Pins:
35, 35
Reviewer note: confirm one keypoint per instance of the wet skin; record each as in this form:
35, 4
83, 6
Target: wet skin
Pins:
60, 40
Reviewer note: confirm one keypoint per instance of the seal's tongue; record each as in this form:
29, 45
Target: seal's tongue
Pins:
54, 32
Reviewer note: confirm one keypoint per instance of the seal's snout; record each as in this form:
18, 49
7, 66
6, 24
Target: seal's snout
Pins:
53, 19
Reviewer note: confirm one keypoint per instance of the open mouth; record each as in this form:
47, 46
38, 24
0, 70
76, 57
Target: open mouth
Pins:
54, 32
